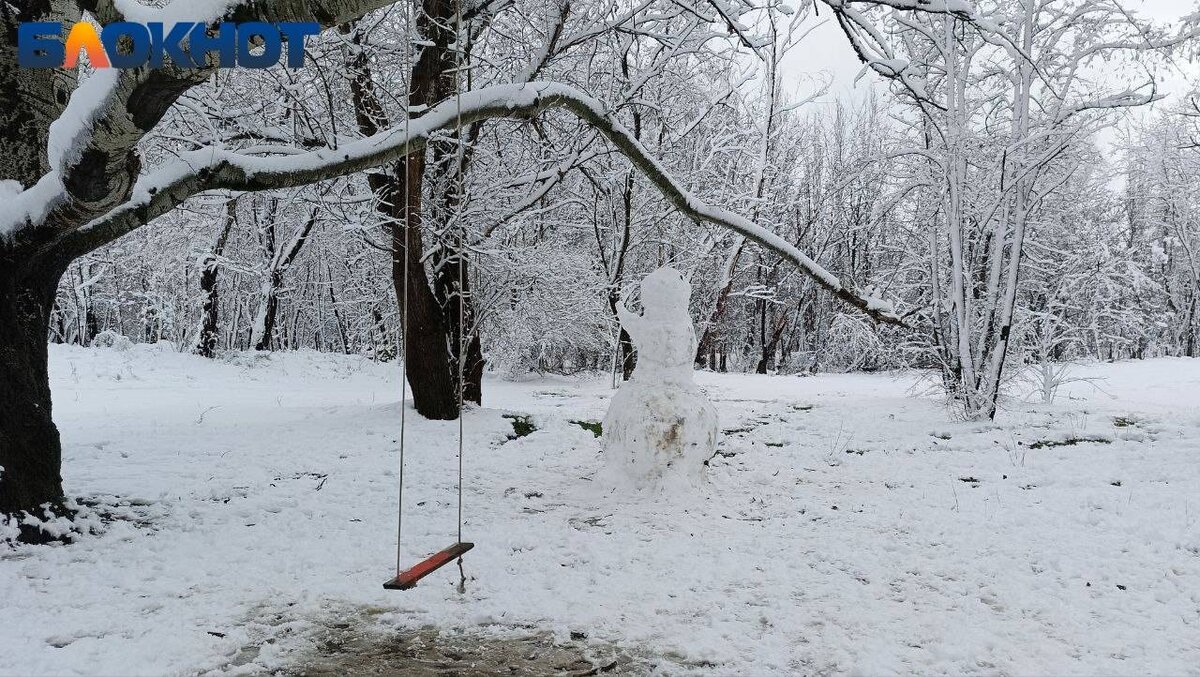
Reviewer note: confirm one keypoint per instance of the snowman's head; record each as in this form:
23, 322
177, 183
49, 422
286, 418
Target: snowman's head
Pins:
665, 291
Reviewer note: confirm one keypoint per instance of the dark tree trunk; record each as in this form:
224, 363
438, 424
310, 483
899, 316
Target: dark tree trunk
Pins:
767, 361
206, 342
91, 323
473, 371
30, 449
761, 368
428, 338
1191, 326
426, 355
628, 355
704, 347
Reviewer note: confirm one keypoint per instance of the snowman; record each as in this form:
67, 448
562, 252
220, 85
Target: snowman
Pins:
660, 428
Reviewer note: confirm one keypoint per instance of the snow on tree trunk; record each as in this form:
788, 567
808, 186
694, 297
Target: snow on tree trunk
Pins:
660, 427
264, 317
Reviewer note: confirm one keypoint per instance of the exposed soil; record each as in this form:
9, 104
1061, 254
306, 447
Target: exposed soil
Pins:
427, 652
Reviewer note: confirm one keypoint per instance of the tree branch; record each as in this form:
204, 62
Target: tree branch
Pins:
92, 154
203, 170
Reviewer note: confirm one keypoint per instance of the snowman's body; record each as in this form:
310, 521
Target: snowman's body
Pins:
660, 428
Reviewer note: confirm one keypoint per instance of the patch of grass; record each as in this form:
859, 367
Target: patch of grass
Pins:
774, 444
522, 425
1069, 442
594, 427
857, 452
1124, 422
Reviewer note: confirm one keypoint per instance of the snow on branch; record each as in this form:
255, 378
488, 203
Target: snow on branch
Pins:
1126, 99
202, 170
960, 8
92, 147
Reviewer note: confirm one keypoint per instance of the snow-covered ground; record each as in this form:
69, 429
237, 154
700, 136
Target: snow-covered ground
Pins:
851, 525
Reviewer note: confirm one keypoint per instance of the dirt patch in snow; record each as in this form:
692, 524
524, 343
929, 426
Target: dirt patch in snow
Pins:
428, 652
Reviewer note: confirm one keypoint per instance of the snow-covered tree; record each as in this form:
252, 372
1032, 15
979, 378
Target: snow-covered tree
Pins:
92, 157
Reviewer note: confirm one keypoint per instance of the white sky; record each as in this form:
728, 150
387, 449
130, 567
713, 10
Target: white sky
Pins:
827, 51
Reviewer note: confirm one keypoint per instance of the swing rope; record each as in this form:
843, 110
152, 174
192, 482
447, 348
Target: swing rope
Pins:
460, 256
405, 580
408, 20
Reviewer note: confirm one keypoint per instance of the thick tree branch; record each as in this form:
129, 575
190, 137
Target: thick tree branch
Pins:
198, 171
92, 156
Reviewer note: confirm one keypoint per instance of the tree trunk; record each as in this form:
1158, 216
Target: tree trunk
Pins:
426, 355
279, 261
463, 332
473, 371
91, 323
343, 336
210, 331
626, 355
1191, 327
206, 341
264, 322
761, 368
30, 449
428, 337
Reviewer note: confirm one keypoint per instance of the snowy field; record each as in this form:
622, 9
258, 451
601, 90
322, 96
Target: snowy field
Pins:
851, 526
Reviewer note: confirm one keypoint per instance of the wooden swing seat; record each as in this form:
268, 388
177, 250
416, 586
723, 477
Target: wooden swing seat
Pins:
407, 580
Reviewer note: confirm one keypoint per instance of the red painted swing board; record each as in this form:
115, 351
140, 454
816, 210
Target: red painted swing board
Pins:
408, 579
